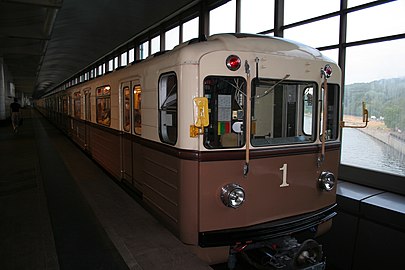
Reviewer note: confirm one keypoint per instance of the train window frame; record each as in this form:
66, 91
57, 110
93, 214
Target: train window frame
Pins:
77, 103
278, 134
126, 108
233, 118
137, 108
333, 112
165, 100
87, 104
103, 105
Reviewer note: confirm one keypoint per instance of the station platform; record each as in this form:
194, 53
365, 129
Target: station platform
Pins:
59, 210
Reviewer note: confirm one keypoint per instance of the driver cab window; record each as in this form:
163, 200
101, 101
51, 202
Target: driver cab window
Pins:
282, 112
226, 105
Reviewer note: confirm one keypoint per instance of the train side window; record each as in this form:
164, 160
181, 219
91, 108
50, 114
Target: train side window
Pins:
226, 106
137, 109
64, 105
332, 121
282, 112
127, 109
77, 104
103, 109
168, 108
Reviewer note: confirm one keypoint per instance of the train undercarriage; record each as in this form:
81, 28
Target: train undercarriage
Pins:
285, 253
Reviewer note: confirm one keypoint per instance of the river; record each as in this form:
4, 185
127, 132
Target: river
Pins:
362, 150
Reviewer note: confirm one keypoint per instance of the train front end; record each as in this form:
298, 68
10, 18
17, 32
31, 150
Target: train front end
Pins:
269, 150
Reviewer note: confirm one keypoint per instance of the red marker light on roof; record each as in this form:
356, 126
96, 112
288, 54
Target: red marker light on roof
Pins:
327, 71
233, 62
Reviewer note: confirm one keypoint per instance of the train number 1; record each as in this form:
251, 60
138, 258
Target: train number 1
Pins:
284, 170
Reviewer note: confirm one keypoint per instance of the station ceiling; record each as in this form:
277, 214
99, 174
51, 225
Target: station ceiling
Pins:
43, 42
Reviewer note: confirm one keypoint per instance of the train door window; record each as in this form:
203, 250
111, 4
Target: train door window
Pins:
332, 121
87, 105
226, 104
77, 104
64, 105
137, 91
168, 108
103, 101
126, 108
280, 114
70, 104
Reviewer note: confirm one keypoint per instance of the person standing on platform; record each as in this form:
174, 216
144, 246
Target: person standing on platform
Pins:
15, 114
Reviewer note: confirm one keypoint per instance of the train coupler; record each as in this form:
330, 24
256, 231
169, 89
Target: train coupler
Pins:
285, 254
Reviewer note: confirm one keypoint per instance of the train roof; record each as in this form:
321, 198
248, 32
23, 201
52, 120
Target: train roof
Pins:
250, 43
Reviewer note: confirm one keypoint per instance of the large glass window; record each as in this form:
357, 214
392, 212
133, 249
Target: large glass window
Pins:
172, 38
103, 100
257, 16
168, 108
381, 20
226, 103
144, 50
190, 29
282, 112
155, 45
323, 33
380, 83
222, 19
295, 11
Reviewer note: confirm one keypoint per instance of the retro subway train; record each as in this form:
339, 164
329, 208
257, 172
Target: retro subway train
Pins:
233, 142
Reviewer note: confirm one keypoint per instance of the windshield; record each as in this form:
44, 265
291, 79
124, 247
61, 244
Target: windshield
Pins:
226, 105
282, 112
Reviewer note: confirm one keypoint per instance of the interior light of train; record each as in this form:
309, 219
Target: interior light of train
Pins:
233, 62
232, 195
326, 181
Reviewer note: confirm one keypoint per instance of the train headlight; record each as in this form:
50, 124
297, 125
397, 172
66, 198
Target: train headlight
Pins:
232, 195
326, 181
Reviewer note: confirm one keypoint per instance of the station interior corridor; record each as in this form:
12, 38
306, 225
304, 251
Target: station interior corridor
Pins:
59, 210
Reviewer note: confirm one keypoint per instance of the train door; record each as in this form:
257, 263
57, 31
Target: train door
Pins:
87, 117
130, 124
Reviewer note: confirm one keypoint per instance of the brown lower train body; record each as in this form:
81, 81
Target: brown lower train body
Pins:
183, 188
